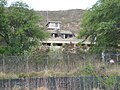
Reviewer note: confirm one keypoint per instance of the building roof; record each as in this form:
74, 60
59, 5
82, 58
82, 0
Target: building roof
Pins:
61, 31
52, 22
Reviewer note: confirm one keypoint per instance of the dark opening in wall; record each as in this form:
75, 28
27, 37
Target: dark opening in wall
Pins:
57, 44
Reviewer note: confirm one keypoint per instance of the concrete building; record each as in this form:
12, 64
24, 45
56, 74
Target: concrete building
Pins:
53, 25
59, 37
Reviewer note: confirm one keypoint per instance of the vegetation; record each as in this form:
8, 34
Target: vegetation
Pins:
70, 19
19, 29
101, 25
19, 32
39, 56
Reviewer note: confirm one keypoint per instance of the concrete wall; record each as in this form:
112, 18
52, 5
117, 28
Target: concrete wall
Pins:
53, 25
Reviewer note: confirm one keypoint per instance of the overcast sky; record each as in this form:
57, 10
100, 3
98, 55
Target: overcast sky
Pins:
58, 4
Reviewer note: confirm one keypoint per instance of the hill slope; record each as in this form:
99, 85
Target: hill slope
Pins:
70, 19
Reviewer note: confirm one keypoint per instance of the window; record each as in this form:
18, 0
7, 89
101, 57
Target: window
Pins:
56, 24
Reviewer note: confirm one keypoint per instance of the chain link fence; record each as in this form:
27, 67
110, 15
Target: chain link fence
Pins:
60, 71
58, 83
64, 62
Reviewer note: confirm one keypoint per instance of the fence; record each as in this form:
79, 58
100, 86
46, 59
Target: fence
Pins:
52, 61
56, 61
57, 83
62, 68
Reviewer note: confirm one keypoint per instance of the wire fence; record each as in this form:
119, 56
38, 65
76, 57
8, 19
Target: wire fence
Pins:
57, 83
60, 71
52, 61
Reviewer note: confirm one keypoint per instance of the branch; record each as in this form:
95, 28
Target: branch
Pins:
1, 35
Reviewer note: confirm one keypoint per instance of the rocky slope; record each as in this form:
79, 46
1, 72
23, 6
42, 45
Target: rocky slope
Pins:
70, 19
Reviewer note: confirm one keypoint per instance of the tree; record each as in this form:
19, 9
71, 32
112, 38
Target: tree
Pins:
101, 24
19, 27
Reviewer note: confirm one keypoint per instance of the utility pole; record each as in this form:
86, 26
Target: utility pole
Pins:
47, 16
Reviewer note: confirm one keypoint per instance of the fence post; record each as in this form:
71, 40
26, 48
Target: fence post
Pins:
117, 62
3, 62
27, 70
84, 73
103, 57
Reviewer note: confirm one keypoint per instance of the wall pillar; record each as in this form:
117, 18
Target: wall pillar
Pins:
53, 35
64, 36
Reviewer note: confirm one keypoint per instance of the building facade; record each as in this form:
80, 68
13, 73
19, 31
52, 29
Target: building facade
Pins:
59, 37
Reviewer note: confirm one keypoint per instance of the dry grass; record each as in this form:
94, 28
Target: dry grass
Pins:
7, 76
76, 71
42, 88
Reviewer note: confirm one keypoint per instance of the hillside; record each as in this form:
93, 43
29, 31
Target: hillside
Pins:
70, 19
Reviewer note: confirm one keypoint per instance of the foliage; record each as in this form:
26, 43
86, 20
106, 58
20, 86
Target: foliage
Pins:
89, 69
108, 81
101, 25
39, 56
19, 27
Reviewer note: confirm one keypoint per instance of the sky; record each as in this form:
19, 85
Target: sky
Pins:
53, 5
